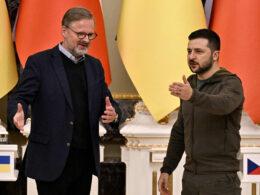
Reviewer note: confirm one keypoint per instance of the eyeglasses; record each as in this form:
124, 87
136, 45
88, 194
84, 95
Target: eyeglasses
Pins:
82, 35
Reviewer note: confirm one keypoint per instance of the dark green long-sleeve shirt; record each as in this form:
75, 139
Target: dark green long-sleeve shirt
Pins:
207, 127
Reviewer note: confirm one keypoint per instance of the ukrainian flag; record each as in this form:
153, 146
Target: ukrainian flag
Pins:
4, 164
8, 73
152, 39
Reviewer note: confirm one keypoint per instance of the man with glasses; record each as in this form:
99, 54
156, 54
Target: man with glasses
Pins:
67, 92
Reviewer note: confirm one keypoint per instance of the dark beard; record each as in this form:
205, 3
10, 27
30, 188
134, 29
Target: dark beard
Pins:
203, 69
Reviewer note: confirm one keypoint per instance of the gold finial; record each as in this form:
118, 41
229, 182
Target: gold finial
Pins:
164, 120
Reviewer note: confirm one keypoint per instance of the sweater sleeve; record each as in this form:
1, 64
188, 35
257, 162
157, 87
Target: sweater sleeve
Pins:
225, 102
175, 146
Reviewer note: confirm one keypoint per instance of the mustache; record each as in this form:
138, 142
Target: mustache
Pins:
192, 62
83, 43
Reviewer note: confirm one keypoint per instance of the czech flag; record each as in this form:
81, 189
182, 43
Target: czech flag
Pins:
253, 168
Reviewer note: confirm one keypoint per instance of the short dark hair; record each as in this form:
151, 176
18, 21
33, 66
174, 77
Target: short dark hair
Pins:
75, 14
211, 36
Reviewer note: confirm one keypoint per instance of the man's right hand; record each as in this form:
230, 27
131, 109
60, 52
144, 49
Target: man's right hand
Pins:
163, 184
18, 118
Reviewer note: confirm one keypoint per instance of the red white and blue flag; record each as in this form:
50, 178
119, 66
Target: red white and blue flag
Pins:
253, 167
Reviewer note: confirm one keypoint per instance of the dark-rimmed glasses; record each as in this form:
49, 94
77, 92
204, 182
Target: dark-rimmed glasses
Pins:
82, 35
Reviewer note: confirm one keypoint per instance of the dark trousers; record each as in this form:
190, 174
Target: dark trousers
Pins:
213, 184
75, 179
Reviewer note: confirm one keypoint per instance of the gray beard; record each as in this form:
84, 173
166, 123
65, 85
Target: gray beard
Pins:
77, 52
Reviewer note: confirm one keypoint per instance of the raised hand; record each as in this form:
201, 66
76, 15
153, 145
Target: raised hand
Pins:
181, 90
18, 118
110, 114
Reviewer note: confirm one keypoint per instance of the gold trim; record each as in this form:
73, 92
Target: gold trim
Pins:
242, 146
126, 96
128, 119
157, 163
157, 151
136, 145
154, 182
170, 184
253, 189
141, 108
164, 120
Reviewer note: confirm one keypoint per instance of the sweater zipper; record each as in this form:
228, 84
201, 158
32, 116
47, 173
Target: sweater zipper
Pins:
192, 138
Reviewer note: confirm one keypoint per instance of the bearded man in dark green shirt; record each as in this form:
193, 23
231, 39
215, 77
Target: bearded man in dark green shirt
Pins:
208, 123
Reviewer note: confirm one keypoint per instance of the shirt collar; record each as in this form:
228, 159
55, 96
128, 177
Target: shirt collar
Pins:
70, 56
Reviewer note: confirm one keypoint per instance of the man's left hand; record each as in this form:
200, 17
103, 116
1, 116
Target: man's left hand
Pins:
110, 114
181, 90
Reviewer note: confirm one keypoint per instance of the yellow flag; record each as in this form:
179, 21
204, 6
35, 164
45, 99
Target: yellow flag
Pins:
8, 70
152, 39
